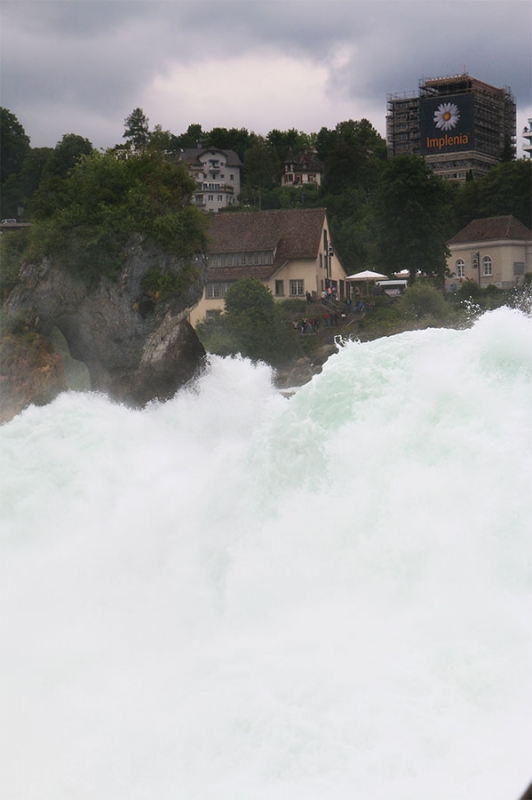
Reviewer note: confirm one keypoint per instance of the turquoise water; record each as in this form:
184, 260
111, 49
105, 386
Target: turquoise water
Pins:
236, 595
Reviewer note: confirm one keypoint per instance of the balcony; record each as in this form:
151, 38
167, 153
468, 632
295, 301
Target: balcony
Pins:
217, 187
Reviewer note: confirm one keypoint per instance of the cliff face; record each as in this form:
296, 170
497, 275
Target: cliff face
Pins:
136, 347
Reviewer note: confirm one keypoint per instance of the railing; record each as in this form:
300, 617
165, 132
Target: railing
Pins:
218, 187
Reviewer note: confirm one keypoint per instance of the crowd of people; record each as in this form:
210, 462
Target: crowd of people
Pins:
336, 312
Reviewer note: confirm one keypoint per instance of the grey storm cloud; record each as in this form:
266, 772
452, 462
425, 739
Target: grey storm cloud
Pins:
73, 63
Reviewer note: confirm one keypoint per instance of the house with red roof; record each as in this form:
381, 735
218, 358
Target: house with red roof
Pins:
493, 250
289, 250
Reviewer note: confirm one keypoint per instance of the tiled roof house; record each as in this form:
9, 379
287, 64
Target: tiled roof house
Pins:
493, 250
302, 169
289, 250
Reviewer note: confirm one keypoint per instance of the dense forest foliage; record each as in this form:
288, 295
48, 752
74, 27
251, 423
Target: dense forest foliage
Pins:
385, 213
88, 216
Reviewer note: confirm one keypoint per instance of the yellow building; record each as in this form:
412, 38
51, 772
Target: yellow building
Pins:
494, 250
290, 251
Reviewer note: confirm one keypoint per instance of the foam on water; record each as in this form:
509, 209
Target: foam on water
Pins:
238, 595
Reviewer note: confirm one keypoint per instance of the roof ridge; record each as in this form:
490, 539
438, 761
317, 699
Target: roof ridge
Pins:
503, 226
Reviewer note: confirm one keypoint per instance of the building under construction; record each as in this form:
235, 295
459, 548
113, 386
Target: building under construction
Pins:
460, 125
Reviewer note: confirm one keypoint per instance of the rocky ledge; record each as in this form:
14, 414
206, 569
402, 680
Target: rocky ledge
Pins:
30, 373
303, 370
136, 345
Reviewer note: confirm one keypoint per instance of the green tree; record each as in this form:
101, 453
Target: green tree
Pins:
192, 138
351, 233
412, 211
66, 155
504, 190
14, 145
355, 157
360, 133
261, 171
11, 197
54, 166
33, 169
292, 139
237, 139
89, 216
163, 141
137, 132
342, 168
258, 327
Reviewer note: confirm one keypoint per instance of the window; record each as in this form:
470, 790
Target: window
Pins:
486, 266
279, 288
214, 290
210, 197
297, 288
459, 268
519, 267
220, 198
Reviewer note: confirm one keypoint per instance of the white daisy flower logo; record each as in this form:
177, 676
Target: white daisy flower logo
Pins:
446, 116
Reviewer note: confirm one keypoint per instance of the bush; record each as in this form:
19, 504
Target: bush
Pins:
422, 300
468, 289
253, 325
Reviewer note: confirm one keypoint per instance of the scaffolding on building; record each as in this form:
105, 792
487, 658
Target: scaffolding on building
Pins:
494, 124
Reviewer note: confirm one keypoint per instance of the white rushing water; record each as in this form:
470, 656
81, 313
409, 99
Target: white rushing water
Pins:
239, 596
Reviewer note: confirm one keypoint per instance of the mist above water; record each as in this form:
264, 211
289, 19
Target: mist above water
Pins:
239, 595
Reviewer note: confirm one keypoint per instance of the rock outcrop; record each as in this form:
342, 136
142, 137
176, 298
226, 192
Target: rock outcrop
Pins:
30, 373
136, 345
303, 369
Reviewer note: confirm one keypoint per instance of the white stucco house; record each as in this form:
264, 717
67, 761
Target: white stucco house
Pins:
217, 174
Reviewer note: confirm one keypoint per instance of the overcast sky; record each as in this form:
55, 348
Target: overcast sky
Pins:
81, 66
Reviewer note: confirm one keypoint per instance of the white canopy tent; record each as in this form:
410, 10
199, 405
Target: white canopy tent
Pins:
366, 276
